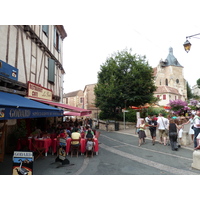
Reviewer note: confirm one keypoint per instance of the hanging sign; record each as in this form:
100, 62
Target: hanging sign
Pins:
39, 92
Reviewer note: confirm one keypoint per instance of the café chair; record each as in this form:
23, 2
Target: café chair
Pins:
74, 147
38, 150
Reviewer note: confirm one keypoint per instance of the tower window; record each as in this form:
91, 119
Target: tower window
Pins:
166, 82
177, 81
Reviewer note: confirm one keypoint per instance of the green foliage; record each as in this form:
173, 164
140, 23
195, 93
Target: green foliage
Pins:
19, 132
198, 83
124, 80
189, 92
155, 111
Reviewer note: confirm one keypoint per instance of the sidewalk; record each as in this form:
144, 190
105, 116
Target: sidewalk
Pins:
132, 131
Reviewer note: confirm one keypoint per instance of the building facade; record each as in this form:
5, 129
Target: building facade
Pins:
196, 90
74, 99
36, 52
31, 65
169, 79
89, 100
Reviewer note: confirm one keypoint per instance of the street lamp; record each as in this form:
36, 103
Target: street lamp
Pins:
187, 45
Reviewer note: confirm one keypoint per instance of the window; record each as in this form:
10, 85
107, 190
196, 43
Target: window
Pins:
166, 82
51, 70
177, 81
56, 40
81, 100
45, 29
164, 96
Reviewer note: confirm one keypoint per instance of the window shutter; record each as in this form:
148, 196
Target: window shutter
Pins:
51, 70
45, 29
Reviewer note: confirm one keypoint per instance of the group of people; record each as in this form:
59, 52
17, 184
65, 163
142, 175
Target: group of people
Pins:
170, 129
78, 132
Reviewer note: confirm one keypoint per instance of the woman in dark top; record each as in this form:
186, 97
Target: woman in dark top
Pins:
152, 127
173, 134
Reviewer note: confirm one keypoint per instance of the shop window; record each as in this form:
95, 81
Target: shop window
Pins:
51, 70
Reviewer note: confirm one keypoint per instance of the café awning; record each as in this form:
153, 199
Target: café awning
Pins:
68, 107
68, 113
14, 106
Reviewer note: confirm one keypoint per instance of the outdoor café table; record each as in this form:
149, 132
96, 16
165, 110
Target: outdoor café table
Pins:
41, 142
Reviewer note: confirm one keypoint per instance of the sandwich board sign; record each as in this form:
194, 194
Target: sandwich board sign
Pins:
23, 163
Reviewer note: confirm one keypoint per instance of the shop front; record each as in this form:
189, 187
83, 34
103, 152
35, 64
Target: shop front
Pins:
15, 107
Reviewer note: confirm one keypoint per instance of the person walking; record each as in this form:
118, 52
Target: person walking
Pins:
191, 129
196, 127
162, 128
141, 133
173, 134
152, 127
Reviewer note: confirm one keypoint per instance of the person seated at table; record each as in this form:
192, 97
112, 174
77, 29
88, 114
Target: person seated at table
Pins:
89, 133
75, 135
64, 134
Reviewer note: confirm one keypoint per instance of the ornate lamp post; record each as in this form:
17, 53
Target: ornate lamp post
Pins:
187, 45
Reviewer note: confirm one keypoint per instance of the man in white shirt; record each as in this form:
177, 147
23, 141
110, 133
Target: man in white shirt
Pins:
162, 125
196, 127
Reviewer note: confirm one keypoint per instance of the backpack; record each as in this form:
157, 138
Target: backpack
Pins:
89, 134
89, 145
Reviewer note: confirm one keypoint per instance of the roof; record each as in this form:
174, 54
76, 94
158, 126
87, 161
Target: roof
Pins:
171, 60
166, 89
72, 94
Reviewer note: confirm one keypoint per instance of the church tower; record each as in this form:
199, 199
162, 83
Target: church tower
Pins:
169, 80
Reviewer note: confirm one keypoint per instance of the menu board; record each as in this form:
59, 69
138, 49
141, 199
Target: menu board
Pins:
62, 149
23, 163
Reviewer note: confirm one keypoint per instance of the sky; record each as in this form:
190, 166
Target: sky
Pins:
98, 28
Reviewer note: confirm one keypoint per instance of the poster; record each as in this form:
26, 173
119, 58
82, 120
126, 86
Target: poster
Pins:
23, 163
62, 149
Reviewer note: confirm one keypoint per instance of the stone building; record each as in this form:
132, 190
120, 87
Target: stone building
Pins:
89, 100
195, 90
75, 98
169, 80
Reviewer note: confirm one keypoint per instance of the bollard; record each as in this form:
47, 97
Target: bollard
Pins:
196, 160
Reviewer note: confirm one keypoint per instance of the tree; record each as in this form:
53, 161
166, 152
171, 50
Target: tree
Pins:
189, 92
198, 83
124, 80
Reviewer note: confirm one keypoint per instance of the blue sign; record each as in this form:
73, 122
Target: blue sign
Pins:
8, 71
20, 113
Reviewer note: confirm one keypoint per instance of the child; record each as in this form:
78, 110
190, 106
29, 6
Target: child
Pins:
141, 133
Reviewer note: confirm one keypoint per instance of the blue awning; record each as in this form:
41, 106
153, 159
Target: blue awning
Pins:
14, 106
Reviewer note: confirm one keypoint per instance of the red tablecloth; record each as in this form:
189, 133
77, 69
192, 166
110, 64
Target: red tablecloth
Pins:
55, 143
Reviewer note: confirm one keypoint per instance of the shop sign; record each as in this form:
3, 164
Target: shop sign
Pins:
20, 113
23, 163
8, 71
39, 92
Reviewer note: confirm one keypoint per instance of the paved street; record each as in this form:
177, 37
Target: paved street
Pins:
119, 154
